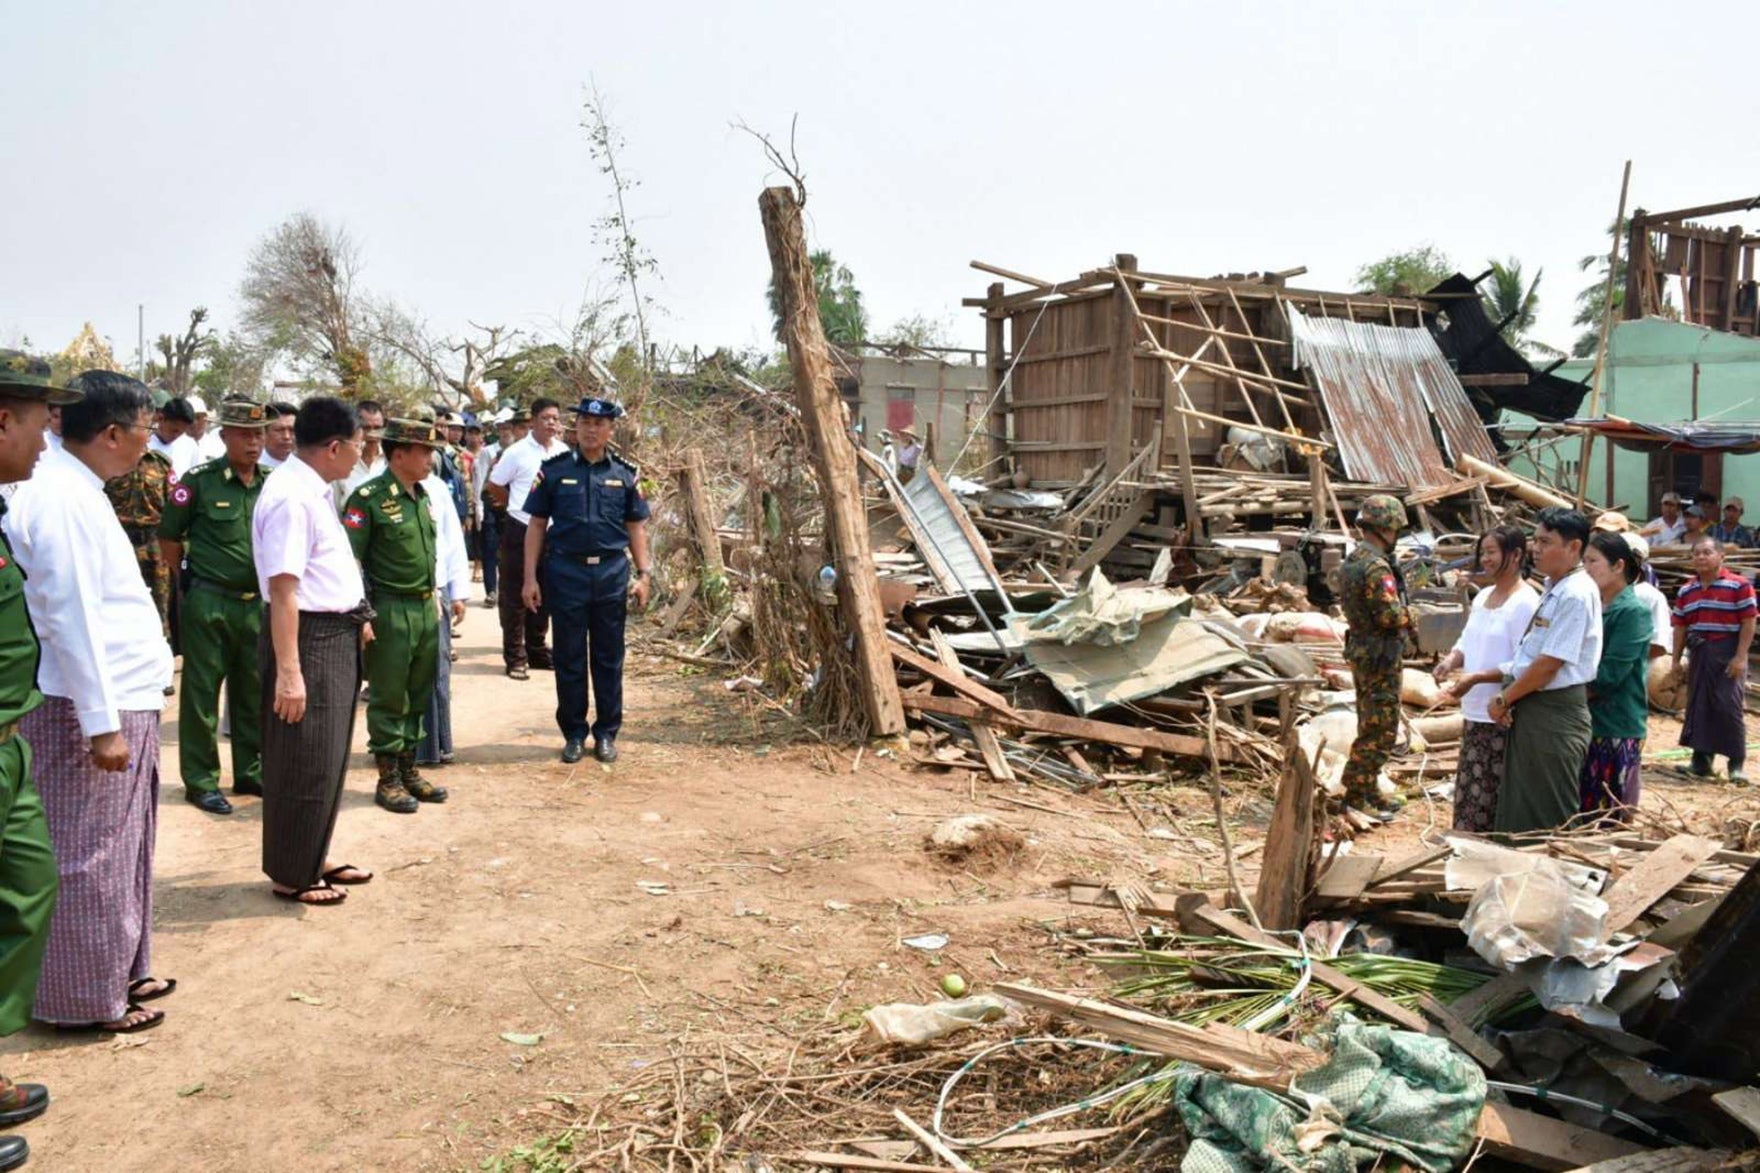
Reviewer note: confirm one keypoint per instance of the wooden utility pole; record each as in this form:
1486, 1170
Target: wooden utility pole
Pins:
834, 458
1601, 344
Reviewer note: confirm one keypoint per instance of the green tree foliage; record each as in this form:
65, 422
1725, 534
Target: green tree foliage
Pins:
235, 365
1592, 300
841, 311
1514, 301
1404, 274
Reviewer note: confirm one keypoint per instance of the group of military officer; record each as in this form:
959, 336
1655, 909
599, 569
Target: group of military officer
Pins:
588, 548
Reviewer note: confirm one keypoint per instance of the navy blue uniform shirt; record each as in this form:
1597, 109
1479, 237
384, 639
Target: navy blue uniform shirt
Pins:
589, 506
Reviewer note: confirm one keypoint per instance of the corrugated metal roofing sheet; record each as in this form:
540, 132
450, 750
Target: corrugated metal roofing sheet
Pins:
1382, 386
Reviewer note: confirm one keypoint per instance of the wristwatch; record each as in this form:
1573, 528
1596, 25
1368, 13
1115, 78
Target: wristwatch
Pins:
641, 574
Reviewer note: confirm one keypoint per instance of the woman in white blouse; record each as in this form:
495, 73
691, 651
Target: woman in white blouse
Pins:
1500, 614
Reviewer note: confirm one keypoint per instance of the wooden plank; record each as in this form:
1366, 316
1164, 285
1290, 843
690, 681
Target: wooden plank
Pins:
1347, 876
1684, 1159
995, 370
931, 1142
1630, 896
1542, 1142
982, 734
1460, 1034
1742, 1104
851, 1161
1289, 847
833, 457
1495, 379
1062, 725
955, 679
1411, 863
1245, 1057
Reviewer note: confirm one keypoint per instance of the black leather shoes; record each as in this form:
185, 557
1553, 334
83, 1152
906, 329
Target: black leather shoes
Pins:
211, 801
13, 1152
605, 751
574, 751
26, 1102
254, 789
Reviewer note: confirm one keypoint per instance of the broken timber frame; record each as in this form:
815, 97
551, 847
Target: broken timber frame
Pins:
834, 459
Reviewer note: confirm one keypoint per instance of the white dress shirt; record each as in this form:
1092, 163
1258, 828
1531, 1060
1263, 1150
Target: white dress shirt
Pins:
102, 647
268, 461
183, 453
363, 471
517, 468
295, 530
452, 563
1567, 627
210, 446
1666, 534
1661, 614
1489, 640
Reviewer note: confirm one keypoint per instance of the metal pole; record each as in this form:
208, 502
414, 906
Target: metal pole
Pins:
1601, 344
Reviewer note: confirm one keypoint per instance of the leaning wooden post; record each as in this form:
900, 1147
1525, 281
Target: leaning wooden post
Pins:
834, 458
702, 516
1601, 343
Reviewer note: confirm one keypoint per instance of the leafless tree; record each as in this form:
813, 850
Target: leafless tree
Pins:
453, 367
298, 296
615, 229
181, 353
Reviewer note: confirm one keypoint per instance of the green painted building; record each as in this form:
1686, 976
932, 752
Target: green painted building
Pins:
1664, 372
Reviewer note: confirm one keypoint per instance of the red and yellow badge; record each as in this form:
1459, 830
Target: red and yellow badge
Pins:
181, 495
1389, 588
354, 519
538, 478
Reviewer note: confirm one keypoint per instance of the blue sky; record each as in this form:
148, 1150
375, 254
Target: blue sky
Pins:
152, 145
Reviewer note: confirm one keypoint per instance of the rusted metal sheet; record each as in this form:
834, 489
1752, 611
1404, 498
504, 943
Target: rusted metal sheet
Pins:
1388, 393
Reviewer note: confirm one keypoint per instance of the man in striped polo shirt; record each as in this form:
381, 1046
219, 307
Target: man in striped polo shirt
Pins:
1714, 616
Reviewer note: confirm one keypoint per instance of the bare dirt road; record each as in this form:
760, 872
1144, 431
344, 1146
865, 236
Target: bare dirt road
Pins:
368, 1036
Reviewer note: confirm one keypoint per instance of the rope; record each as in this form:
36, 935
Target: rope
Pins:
1007, 377
1069, 1109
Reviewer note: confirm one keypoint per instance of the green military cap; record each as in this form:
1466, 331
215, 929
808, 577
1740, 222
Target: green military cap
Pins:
1382, 511
243, 413
24, 377
410, 432
160, 397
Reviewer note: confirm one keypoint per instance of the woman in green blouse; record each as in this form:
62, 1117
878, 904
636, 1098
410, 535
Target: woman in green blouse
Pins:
1617, 698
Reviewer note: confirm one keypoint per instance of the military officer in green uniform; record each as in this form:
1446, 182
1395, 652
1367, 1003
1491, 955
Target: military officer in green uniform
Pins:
392, 531
138, 497
1373, 597
27, 862
208, 523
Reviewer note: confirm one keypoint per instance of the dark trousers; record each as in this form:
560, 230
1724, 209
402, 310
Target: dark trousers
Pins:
489, 548
524, 633
28, 884
589, 605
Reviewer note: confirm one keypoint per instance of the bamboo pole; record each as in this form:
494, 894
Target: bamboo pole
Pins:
834, 460
1601, 344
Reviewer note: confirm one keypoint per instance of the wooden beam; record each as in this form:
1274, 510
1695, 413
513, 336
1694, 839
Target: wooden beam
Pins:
1543, 1142
833, 455
1652, 878
1062, 725
996, 368
702, 515
1655, 220
999, 271
982, 734
1287, 861
957, 680
1121, 373
1495, 379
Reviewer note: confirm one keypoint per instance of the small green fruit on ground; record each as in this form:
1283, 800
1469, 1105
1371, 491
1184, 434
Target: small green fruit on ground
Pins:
953, 986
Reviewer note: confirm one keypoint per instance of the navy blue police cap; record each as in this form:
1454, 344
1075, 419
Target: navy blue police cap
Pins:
603, 408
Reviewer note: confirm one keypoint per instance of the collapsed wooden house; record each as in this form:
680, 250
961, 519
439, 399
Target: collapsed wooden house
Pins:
1234, 401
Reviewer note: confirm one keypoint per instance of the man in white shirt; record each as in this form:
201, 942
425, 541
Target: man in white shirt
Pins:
1545, 698
524, 632
452, 581
171, 438
278, 436
207, 440
318, 622
372, 458
104, 670
1667, 529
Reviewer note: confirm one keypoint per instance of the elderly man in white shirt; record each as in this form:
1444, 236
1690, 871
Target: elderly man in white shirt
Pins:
524, 632
207, 440
371, 461
1545, 697
318, 622
96, 737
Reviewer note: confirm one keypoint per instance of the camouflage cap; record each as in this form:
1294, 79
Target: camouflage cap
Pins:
1381, 511
410, 432
243, 413
24, 377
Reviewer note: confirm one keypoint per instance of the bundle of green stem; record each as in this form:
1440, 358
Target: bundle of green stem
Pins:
1219, 979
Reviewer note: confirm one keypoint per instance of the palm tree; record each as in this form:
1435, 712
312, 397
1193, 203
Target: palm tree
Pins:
1513, 302
841, 311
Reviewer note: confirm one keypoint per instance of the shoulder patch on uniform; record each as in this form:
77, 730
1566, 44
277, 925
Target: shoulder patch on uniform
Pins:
537, 478
354, 519
180, 494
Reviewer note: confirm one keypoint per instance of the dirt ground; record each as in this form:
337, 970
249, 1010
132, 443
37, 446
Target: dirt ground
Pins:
724, 879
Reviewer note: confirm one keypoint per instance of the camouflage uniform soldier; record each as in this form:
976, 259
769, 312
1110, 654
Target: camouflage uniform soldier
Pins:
139, 498
1373, 597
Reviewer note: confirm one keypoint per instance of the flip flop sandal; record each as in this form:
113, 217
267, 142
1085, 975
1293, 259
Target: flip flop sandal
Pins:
154, 1018
335, 876
320, 886
135, 988
519, 674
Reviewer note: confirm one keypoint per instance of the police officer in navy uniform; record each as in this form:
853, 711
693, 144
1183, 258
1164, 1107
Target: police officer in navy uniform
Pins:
588, 546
